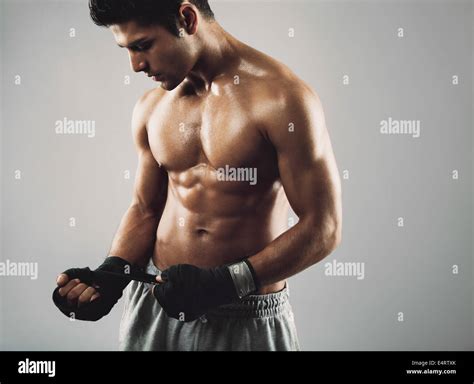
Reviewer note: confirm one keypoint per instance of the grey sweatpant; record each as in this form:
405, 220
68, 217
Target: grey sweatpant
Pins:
257, 323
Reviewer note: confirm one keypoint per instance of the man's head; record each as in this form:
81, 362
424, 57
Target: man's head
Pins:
157, 33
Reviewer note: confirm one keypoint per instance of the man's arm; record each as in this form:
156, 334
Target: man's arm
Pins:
310, 177
76, 292
136, 234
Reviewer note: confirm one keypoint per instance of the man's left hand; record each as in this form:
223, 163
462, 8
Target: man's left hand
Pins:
187, 292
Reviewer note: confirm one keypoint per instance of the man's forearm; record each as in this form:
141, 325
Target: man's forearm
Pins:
293, 251
135, 238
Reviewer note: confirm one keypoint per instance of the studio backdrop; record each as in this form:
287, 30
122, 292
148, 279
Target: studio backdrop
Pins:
395, 80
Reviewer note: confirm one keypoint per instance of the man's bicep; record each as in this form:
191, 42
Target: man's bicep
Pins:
306, 162
313, 189
151, 183
151, 180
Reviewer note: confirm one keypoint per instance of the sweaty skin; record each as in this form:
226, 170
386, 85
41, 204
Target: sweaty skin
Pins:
207, 221
222, 103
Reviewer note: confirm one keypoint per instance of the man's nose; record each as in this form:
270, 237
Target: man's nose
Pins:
137, 62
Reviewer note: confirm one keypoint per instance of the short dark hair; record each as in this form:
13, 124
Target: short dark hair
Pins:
145, 12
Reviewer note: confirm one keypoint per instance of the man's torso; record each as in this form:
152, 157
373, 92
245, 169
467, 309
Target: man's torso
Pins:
225, 201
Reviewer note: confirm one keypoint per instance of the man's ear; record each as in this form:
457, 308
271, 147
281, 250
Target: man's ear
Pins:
188, 18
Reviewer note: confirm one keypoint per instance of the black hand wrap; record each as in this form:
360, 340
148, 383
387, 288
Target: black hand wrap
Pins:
109, 287
189, 292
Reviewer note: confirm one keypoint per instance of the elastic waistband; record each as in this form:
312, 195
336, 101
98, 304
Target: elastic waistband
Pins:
252, 306
257, 306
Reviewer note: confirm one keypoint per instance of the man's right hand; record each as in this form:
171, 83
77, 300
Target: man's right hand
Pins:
90, 295
76, 293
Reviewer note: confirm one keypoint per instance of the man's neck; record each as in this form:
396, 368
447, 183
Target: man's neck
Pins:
219, 51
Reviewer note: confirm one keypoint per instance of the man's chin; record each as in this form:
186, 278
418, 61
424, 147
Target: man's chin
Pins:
169, 85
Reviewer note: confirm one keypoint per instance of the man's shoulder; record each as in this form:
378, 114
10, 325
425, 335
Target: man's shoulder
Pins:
150, 98
146, 104
282, 92
271, 80
279, 96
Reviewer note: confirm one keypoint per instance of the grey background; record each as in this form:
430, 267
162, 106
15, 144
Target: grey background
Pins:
407, 269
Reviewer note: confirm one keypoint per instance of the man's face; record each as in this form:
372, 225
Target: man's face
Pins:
157, 52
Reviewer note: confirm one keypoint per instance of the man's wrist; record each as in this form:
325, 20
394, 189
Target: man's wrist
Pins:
120, 267
244, 278
116, 264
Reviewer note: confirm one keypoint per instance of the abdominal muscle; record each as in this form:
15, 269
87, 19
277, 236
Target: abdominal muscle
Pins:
206, 229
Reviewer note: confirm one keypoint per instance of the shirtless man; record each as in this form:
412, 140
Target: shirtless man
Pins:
223, 245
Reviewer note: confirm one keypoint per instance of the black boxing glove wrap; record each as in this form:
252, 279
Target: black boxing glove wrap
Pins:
110, 288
